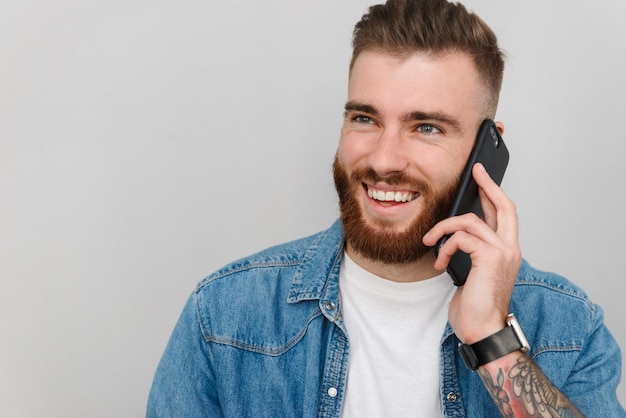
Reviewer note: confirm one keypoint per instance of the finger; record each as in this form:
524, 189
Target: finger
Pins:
455, 242
499, 261
490, 213
474, 237
470, 223
505, 210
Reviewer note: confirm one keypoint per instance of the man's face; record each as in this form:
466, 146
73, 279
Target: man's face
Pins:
409, 126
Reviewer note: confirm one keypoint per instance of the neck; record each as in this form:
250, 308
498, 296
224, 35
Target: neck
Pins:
415, 271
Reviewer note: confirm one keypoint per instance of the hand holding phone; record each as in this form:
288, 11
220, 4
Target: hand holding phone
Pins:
489, 150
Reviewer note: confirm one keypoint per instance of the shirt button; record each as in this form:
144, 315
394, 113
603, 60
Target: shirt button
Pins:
451, 397
330, 305
332, 392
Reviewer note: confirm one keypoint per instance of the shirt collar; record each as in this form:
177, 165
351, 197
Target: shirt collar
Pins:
318, 274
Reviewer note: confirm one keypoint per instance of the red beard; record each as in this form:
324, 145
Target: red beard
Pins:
382, 243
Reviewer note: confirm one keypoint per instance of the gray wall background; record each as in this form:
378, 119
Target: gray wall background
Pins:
145, 144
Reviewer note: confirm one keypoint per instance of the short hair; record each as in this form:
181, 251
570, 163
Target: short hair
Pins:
402, 27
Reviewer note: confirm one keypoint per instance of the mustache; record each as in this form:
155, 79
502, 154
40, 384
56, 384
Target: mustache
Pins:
393, 179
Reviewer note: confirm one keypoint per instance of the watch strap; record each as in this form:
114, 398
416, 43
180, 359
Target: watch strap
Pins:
495, 346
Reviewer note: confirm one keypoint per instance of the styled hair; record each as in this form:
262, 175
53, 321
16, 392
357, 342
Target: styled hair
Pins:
403, 27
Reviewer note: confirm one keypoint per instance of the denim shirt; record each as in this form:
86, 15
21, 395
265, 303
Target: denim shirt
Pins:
264, 337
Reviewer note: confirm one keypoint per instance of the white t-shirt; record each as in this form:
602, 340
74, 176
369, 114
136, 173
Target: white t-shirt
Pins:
395, 332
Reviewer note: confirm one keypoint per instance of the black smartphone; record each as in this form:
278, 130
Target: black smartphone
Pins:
490, 150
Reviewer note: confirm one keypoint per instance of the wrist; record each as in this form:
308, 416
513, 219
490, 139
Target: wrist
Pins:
483, 331
505, 341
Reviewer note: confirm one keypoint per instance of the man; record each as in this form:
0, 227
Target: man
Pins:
362, 319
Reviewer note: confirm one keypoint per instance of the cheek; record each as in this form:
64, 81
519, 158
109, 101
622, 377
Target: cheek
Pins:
349, 151
442, 168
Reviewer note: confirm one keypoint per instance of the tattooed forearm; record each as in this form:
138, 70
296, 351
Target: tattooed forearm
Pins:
497, 392
524, 391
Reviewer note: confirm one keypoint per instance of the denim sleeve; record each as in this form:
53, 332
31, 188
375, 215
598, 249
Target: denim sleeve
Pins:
184, 383
592, 383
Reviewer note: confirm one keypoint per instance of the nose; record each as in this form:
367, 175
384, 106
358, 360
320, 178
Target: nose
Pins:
388, 156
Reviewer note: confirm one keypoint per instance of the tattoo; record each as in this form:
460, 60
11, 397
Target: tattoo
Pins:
497, 392
527, 392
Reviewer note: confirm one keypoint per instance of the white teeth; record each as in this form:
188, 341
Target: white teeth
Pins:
391, 196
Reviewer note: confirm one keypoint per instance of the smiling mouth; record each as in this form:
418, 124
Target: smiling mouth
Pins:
390, 196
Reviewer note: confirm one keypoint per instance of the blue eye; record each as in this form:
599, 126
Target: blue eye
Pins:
428, 129
362, 119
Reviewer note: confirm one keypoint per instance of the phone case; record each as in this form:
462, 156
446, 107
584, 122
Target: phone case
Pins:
490, 150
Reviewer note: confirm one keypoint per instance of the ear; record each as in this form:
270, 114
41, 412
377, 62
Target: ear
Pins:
500, 127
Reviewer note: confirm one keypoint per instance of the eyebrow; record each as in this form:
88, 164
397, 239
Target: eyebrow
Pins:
436, 116
353, 106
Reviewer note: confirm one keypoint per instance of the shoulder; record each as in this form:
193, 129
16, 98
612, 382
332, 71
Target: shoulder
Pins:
311, 254
248, 303
259, 269
277, 260
553, 311
534, 286
269, 278
568, 338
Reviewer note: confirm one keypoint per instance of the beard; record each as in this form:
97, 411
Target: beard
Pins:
380, 242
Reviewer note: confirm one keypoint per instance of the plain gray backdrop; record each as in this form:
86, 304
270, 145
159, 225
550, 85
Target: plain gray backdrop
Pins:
144, 144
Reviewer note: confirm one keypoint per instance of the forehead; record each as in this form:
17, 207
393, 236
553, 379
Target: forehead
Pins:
446, 82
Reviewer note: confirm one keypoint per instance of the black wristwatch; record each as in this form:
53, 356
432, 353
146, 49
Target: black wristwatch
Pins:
503, 342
